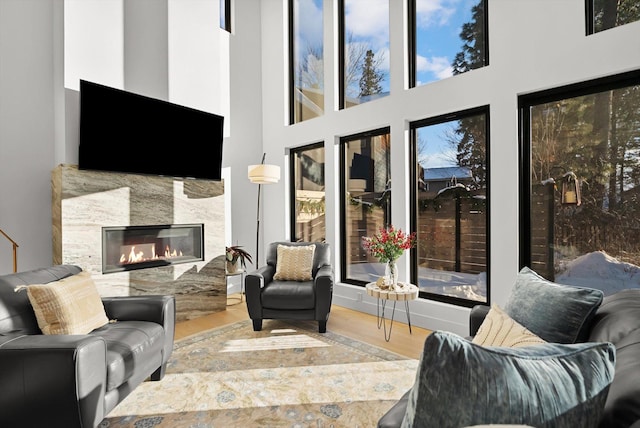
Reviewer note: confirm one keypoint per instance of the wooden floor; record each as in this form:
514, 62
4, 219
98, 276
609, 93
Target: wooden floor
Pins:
349, 323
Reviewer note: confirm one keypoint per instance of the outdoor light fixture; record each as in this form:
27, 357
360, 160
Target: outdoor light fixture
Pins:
262, 174
570, 189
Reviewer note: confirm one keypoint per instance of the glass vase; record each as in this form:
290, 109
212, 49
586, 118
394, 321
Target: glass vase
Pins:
391, 274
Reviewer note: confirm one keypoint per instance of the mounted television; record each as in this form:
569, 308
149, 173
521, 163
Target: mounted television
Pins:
125, 132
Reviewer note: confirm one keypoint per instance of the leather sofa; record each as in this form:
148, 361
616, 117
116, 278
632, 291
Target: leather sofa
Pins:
617, 321
295, 300
76, 380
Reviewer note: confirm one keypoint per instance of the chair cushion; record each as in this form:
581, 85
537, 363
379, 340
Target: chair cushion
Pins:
555, 312
459, 383
68, 306
134, 348
499, 329
294, 263
289, 295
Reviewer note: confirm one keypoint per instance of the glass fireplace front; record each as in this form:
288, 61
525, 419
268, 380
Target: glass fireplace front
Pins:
140, 247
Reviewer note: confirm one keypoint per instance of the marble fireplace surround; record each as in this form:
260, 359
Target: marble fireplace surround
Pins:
85, 201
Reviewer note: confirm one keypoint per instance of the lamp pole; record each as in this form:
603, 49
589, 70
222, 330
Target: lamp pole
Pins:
258, 219
262, 174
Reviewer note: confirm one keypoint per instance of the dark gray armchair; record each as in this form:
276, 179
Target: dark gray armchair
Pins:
296, 300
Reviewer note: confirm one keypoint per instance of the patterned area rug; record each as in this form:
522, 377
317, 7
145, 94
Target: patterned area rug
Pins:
287, 375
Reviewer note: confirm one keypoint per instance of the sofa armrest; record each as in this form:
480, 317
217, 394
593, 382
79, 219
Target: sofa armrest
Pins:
160, 309
476, 317
45, 375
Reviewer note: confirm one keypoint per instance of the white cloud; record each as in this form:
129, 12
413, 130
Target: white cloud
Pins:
434, 12
439, 66
368, 19
439, 160
310, 22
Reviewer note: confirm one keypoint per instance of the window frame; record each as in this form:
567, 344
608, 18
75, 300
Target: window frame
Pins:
413, 156
343, 194
340, 6
292, 183
291, 65
412, 34
590, 19
525, 102
226, 25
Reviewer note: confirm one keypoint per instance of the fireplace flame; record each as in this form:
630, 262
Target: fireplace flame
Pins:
139, 256
169, 253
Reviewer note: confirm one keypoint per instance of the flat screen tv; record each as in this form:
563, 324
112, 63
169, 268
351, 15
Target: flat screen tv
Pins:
125, 132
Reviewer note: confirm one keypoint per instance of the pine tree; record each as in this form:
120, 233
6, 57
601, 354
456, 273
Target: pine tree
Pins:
473, 52
371, 75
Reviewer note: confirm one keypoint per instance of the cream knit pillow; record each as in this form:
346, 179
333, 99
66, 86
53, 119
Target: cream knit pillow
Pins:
498, 329
68, 306
294, 263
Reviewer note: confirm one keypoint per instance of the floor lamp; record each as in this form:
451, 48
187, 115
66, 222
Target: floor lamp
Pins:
262, 174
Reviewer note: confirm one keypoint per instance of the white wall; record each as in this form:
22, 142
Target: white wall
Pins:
533, 45
30, 126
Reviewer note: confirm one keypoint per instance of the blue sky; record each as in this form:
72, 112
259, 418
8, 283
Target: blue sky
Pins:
438, 36
434, 148
438, 30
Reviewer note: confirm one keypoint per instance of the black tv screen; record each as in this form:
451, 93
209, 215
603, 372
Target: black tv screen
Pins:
125, 132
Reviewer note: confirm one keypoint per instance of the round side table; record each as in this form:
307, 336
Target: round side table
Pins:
405, 293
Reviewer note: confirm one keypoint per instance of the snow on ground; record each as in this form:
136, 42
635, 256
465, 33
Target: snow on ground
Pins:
593, 270
599, 270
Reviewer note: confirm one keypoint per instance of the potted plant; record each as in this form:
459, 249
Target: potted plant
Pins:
235, 256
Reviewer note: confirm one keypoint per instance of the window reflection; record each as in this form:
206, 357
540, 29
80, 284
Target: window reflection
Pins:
307, 60
451, 207
584, 188
309, 202
449, 38
607, 14
367, 201
365, 51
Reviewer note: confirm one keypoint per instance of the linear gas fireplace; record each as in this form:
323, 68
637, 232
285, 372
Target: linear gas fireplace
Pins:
140, 247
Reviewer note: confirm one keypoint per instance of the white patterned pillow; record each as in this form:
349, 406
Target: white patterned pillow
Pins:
68, 306
294, 263
499, 329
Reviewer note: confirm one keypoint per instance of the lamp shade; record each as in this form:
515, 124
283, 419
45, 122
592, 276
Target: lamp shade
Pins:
264, 174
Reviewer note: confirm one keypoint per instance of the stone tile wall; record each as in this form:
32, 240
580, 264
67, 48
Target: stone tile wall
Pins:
85, 201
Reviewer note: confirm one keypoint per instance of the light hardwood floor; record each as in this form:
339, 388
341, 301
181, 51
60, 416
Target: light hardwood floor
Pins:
349, 323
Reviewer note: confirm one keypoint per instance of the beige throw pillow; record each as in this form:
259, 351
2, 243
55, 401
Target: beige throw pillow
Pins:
68, 306
294, 263
499, 329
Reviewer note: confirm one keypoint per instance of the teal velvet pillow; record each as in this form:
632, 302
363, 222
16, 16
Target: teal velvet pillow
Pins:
459, 383
555, 312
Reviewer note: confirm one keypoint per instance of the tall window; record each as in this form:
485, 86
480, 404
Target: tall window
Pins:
364, 50
451, 207
307, 190
605, 14
446, 38
306, 60
366, 204
581, 193
225, 15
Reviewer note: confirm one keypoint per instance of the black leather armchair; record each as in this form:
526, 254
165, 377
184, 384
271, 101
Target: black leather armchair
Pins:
74, 381
297, 300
